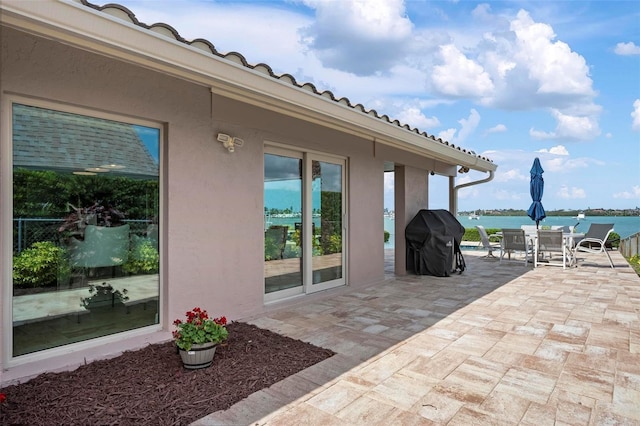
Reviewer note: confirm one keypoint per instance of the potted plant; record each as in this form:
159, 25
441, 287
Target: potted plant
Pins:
99, 214
104, 295
197, 337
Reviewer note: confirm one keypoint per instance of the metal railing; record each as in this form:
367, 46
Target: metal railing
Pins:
27, 231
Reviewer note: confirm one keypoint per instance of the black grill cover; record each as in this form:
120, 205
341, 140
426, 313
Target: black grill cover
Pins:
433, 243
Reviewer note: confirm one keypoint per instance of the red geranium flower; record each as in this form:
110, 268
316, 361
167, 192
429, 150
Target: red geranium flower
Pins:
198, 329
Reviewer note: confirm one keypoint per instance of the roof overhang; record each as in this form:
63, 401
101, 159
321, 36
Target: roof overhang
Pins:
75, 24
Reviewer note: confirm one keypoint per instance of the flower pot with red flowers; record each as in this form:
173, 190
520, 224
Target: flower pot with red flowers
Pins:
198, 336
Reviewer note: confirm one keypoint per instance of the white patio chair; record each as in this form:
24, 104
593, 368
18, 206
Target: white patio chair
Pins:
486, 242
515, 241
529, 229
550, 242
594, 241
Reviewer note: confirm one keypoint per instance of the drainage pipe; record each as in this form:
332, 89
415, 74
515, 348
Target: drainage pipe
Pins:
454, 208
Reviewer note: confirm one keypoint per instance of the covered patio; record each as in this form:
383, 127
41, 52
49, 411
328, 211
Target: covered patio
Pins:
500, 344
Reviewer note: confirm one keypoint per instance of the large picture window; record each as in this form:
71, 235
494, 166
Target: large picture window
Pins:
86, 240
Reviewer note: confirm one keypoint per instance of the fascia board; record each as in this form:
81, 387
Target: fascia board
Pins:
75, 24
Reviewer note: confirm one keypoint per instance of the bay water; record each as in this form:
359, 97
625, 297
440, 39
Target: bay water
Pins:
625, 226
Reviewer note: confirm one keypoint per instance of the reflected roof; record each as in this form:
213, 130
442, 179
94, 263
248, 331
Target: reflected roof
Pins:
61, 141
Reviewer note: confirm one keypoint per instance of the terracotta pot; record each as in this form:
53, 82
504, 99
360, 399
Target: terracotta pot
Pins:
199, 356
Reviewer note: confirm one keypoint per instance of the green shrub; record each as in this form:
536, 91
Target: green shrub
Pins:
386, 236
634, 262
42, 264
334, 245
472, 234
143, 258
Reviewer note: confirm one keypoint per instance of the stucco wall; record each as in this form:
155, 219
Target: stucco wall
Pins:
365, 174
213, 223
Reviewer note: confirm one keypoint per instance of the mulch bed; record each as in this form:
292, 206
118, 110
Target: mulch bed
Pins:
151, 387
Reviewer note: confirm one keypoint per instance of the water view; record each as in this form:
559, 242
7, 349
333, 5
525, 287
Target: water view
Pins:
625, 226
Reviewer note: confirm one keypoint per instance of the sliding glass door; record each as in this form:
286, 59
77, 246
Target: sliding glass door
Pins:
304, 201
282, 224
327, 201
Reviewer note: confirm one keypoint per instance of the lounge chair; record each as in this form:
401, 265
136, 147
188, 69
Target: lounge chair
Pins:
486, 242
515, 241
549, 242
595, 240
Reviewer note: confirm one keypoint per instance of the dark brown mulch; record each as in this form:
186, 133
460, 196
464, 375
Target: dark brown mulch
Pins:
151, 387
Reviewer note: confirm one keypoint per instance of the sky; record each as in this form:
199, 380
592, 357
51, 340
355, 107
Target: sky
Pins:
510, 80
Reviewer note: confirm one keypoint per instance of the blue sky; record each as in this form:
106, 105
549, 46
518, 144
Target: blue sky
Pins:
558, 80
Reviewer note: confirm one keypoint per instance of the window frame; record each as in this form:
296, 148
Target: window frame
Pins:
6, 233
307, 156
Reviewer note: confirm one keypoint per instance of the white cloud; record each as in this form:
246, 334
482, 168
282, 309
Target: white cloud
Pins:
499, 128
414, 117
558, 150
570, 127
629, 195
458, 76
345, 33
571, 193
627, 49
566, 164
553, 65
510, 175
505, 195
467, 126
482, 12
635, 114
447, 135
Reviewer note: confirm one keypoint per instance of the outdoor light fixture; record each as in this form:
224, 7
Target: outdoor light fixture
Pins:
463, 169
230, 142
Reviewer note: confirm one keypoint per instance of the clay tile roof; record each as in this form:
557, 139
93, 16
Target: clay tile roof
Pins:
123, 13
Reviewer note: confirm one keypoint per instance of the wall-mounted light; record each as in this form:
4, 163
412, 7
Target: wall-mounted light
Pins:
230, 142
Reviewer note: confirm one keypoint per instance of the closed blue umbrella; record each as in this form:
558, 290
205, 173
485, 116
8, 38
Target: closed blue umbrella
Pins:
536, 187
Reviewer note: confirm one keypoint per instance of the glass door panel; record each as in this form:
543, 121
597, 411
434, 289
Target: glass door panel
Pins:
282, 225
327, 212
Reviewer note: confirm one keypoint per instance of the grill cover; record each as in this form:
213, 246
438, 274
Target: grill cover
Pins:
433, 243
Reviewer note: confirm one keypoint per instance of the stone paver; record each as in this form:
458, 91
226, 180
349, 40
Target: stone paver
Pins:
499, 344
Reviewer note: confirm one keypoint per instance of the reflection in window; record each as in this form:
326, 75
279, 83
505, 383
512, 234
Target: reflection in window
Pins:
85, 227
282, 223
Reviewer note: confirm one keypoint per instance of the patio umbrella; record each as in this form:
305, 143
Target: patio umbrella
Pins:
536, 187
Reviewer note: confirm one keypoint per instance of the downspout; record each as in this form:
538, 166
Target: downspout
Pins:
464, 185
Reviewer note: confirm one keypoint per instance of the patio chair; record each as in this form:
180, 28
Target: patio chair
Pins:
102, 246
549, 242
515, 241
486, 243
595, 240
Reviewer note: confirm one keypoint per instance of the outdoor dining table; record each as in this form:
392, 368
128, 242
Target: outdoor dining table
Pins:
568, 237
568, 240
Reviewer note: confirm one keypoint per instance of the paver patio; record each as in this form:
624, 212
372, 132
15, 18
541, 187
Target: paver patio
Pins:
500, 344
